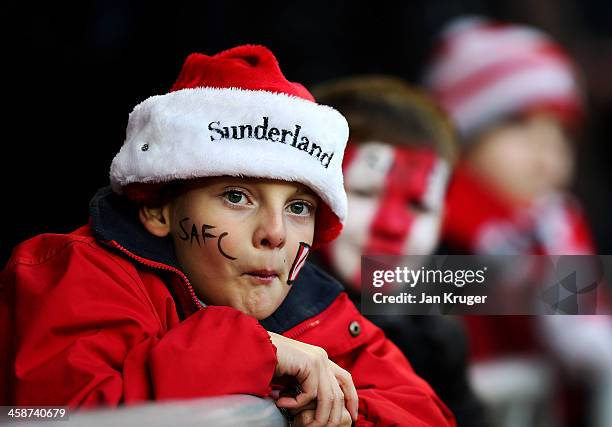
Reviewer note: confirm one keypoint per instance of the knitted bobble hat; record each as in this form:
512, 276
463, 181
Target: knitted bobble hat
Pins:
485, 70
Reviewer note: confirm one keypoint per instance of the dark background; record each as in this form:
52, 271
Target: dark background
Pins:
75, 73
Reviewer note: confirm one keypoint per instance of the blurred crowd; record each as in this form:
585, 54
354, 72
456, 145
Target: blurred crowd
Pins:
514, 99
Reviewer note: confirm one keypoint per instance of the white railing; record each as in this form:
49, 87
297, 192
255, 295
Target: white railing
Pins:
224, 411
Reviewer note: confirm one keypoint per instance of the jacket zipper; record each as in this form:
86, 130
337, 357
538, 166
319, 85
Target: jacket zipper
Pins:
159, 265
303, 329
194, 298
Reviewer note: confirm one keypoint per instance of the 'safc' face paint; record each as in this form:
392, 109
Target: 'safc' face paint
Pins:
395, 200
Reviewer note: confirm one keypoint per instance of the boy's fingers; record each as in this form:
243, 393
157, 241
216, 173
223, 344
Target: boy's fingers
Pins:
308, 394
325, 399
303, 399
336, 414
304, 418
348, 389
296, 402
312, 406
306, 415
347, 419
324, 407
319, 379
287, 402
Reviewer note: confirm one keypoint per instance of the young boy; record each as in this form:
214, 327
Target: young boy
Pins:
220, 189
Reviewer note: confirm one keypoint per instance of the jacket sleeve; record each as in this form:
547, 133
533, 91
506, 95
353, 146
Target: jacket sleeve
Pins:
390, 393
87, 331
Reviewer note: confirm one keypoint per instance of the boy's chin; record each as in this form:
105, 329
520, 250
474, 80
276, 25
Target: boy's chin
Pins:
263, 306
261, 313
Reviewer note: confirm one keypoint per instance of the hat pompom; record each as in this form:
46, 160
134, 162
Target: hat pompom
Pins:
249, 67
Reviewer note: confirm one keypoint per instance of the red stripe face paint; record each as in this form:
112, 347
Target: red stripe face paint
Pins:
395, 200
298, 262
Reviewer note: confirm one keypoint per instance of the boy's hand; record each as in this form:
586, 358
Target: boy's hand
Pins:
307, 416
320, 379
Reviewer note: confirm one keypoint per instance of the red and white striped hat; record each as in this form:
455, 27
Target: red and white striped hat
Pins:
485, 70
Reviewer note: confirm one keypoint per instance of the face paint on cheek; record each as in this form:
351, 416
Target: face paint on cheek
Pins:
298, 262
206, 233
391, 223
437, 184
184, 235
424, 235
366, 169
407, 190
425, 232
221, 236
390, 226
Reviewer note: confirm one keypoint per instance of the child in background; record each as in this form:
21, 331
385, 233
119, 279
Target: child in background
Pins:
400, 152
514, 96
185, 281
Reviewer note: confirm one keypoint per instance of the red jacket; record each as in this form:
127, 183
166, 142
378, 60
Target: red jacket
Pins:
103, 316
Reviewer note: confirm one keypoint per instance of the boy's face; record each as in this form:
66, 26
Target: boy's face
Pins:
525, 158
236, 239
395, 202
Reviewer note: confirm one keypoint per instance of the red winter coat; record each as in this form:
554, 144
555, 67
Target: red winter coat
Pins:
104, 316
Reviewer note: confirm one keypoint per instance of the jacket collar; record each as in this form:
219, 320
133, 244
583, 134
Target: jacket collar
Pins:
312, 292
114, 218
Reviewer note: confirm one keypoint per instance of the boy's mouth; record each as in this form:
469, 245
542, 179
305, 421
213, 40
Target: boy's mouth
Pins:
263, 276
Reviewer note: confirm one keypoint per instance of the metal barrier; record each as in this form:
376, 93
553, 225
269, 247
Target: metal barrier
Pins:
224, 411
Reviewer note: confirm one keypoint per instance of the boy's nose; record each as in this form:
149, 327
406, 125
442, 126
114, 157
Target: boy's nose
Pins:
271, 232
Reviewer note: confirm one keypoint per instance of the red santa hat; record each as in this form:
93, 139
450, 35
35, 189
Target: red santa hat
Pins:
485, 70
235, 113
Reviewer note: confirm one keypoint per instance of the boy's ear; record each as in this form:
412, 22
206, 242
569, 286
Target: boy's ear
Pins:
156, 220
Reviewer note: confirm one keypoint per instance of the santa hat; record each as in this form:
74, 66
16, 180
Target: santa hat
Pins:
484, 71
235, 113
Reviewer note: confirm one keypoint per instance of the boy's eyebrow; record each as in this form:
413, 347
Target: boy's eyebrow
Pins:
304, 191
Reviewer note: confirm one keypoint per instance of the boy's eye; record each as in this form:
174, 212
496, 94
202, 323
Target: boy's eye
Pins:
300, 208
236, 197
